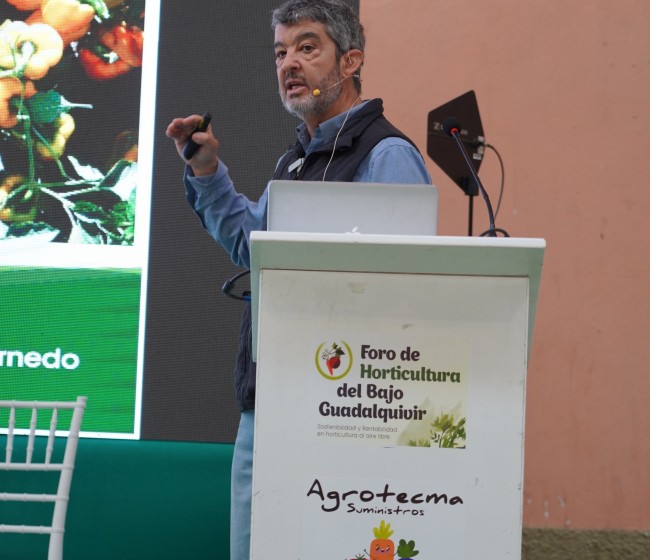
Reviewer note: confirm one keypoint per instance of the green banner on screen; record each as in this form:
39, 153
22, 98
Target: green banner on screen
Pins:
70, 332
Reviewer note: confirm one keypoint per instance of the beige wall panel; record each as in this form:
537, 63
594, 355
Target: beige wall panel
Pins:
564, 93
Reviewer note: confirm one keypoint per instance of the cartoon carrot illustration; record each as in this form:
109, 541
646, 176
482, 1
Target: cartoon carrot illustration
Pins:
381, 546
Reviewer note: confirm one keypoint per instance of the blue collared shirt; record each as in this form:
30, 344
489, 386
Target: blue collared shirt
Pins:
230, 216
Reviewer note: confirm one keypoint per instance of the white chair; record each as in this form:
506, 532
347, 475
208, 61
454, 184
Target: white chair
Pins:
39, 457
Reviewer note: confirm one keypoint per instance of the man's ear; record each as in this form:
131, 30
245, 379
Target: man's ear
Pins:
352, 62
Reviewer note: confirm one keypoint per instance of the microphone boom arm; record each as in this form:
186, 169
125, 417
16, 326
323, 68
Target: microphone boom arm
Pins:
452, 127
456, 136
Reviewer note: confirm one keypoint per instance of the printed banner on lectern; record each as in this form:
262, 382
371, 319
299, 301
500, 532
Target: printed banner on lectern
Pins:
382, 392
389, 415
390, 519
377, 393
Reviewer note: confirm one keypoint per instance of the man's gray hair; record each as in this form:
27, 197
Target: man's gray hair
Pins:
340, 21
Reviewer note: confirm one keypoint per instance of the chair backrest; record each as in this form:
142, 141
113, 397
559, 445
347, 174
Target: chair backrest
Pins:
39, 456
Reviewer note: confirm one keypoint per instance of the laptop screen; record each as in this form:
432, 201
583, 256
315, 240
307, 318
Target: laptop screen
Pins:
337, 207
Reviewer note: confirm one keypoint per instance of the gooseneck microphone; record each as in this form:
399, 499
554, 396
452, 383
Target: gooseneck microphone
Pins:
451, 126
316, 92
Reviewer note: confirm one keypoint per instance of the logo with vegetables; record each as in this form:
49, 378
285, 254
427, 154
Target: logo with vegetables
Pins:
335, 361
383, 547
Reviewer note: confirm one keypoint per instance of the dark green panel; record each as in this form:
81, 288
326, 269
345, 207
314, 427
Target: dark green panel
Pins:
134, 500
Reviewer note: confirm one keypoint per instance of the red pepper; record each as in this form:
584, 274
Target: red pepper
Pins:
126, 43
25, 5
98, 68
125, 46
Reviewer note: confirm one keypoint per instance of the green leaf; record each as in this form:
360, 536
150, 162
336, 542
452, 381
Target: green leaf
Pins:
383, 531
45, 107
121, 222
29, 229
89, 212
127, 182
99, 6
406, 549
445, 431
115, 174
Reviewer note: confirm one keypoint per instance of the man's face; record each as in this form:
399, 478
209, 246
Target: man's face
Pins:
305, 57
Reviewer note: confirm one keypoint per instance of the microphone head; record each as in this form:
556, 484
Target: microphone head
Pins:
316, 92
451, 125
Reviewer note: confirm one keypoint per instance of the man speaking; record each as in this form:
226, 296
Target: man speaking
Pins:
319, 53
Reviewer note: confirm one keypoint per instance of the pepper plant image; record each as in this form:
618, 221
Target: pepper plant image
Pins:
70, 89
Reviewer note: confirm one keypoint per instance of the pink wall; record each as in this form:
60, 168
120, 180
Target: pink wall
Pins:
563, 88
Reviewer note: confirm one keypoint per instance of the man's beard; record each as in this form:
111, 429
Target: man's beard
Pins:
312, 105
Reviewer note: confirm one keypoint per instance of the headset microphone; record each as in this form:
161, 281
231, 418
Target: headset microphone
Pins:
316, 92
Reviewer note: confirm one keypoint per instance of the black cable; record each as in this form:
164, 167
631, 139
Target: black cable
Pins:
503, 177
229, 285
493, 231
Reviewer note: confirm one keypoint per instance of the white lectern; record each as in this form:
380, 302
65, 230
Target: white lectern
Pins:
390, 394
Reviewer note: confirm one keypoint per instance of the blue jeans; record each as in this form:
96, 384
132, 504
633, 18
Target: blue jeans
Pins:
241, 490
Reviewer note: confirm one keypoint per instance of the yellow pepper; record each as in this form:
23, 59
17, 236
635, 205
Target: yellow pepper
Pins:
54, 148
28, 50
7, 186
7, 213
71, 18
9, 88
